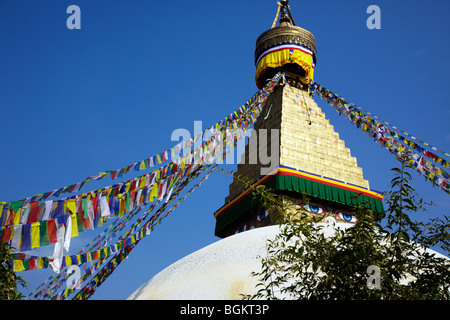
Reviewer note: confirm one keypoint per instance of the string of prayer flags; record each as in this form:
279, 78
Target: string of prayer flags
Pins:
129, 239
90, 288
148, 228
159, 158
53, 282
329, 95
73, 258
424, 161
87, 210
11, 212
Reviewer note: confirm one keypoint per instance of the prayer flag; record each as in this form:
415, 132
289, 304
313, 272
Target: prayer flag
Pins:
153, 192
35, 235
158, 159
71, 205
44, 234
18, 265
15, 205
84, 206
4, 214
113, 174
52, 231
48, 209
59, 208
26, 237
17, 238
104, 207
81, 221
16, 215
7, 234
95, 205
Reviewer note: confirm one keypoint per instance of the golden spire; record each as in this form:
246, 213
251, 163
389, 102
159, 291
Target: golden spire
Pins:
285, 47
285, 10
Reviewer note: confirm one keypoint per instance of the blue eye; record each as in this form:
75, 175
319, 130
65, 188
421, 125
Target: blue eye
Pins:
347, 217
314, 209
262, 215
242, 229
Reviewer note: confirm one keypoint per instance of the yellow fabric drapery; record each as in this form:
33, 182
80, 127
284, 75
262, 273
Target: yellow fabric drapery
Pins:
284, 54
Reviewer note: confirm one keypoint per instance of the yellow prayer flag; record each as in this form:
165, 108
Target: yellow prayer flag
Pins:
142, 181
158, 174
71, 205
127, 188
40, 263
18, 265
67, 292
35, 235
17, 215
1, 208
74, 219
121, 206
153, 192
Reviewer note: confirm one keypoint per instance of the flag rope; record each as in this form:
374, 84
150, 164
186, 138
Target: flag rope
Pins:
424, 161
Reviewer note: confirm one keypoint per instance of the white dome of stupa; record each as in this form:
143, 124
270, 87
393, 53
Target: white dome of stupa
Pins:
219, 271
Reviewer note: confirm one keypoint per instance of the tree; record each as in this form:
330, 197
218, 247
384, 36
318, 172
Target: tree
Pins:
382, 256
8, 278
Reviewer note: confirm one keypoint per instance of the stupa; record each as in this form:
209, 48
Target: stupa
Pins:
307, 156
310, 166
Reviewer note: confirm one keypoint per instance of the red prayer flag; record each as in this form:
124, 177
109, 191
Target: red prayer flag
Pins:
113, 175
7, 234
34, 212
95, 205
32, 264
10, 218
52, 231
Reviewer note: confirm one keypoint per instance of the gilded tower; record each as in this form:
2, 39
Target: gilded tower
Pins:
308, 157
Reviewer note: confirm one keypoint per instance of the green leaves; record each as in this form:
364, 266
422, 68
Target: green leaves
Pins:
8, 279
303, 263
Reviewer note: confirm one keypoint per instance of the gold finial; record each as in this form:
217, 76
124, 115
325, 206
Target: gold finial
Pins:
286, 17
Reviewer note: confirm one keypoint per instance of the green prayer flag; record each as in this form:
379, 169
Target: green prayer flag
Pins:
16, 205
84, 205
43, 236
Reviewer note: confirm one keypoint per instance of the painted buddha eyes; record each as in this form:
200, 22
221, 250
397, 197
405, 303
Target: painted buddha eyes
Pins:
242, 229
346, 217
315, 209
262, 215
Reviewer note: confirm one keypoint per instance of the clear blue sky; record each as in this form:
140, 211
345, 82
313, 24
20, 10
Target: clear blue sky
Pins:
77, 102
